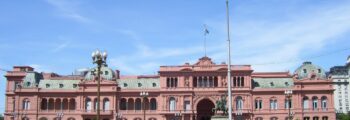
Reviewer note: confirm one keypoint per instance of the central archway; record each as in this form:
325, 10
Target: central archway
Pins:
204, 108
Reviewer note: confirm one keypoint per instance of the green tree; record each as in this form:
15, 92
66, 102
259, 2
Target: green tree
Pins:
343, 116
1, 117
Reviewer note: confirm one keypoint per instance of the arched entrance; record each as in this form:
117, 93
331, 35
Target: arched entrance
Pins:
204, 108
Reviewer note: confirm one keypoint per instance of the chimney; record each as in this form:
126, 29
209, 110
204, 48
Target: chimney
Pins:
117, 74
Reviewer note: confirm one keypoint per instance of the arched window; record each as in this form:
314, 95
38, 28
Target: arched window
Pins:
305, 103
315, 118
44, 104
71, 118
153, 104
274, 118
26, 104
324, 103
72, 104
259, 118
314, 102
239, 103
25, 118
65, 104
172, 104
95, 104
131, 104
88, 104
105, 104
324, 118
43, 118
138, 104
122, 104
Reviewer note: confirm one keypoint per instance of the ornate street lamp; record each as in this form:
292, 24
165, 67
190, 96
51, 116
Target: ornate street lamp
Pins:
14, 114
144, 95
60, 115
289, 94
178, 115
118, 116
99, 59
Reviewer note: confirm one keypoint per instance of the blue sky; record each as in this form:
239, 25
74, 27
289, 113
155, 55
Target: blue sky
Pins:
272, 35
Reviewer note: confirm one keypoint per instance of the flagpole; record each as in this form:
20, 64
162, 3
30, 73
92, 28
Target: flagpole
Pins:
228, 64
205, 39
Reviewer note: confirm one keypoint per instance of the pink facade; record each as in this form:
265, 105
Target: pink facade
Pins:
187, 92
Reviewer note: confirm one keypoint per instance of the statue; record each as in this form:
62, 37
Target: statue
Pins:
221, 105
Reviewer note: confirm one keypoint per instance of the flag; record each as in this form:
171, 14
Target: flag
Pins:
206, 31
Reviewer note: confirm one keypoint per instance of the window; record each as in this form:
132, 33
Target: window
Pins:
47, 85
274, 118
106, 72
75, 85
122, 104
304, 70
315, 118
61, 85
139, 85
172, 104
172, 82
319, 71
271, 83
314, 102
305, 103
125, 85
88, 105
105, 104
187, 105
324, 118
324, 103
154, 84
288, 104
26, 104
239, 103
258, 104
306, 118
153, 104
28, 84
138, 104
286, 83
273, 104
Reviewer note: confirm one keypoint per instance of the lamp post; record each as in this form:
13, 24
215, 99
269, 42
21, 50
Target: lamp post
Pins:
14, 114
118, 116
289, 94
99, 59
144, 95
60, 115
178, 115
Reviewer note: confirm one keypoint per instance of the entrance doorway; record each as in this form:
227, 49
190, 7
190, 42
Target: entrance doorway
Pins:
204, 108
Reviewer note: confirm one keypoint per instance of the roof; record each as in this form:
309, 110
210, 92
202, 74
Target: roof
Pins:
142, 83
308, 69
59, 84
273, 82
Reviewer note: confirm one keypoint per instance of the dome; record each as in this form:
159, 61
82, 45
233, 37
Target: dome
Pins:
107, 73
309, 70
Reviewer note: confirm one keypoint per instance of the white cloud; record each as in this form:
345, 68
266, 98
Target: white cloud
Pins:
279, 46
272, 46
40, 68
60, 47
69, 10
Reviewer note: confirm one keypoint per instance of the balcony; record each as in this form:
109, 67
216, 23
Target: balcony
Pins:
94, 112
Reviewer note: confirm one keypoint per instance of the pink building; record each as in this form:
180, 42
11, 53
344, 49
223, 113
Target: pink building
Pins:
187, 92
